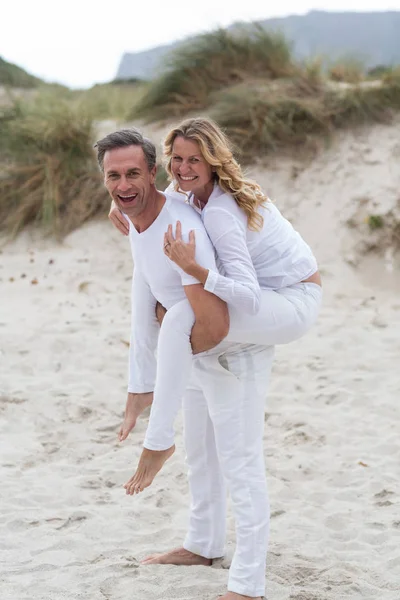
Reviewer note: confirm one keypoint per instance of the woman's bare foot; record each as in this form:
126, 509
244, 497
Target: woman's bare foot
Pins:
178, 556
234, 596
135, 405
150, 463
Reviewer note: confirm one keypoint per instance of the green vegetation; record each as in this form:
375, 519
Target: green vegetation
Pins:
109, 100
375, 222
209, 63
347, 71
247, 81
269, 118
11, 75
49, 171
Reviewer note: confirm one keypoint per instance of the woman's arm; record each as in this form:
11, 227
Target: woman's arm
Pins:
238, 285
117, 219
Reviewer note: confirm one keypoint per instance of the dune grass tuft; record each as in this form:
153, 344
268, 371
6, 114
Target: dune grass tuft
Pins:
109, 100
210, 62
347, 71
49, 172
281, 115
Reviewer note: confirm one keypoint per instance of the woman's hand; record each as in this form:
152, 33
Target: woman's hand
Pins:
117, 219
177, 250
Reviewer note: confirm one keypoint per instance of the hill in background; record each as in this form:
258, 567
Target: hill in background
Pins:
373, 38
14, 76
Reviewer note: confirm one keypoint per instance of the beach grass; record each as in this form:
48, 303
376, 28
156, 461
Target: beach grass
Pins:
109, 100
264, 119
348, 70
49, 172
210, 62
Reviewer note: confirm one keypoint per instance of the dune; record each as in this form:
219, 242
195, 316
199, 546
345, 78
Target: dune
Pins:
332, 444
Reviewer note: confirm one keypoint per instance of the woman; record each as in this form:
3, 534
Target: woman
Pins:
267, 274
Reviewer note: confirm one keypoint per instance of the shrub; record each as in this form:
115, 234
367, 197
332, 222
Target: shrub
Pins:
375, 222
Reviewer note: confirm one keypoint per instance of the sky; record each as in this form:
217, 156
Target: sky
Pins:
81, 42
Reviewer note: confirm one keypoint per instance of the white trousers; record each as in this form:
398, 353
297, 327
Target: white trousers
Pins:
223, 425
284, 316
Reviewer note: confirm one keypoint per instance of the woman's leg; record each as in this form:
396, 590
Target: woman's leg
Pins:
285, 315
174, 362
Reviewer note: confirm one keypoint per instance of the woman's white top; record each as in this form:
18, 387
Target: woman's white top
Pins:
272, 258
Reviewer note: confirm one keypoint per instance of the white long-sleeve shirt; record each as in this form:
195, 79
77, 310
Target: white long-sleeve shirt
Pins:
156, 277
272, 258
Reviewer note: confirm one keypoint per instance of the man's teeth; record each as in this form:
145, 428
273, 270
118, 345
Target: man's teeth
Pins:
127, 198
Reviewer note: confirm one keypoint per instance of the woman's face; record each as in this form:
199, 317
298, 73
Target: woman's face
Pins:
189, 168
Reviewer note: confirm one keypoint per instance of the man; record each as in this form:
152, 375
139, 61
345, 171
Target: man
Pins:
224, 405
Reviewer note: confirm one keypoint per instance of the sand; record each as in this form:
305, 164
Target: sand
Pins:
332, 427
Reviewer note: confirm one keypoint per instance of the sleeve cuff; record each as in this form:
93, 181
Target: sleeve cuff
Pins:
211, 281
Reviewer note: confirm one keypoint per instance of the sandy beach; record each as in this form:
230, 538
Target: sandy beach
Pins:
332, 424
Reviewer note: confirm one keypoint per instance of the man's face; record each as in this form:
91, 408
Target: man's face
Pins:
128, 179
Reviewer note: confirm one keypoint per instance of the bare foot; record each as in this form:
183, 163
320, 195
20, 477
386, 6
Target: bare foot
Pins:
150, 463
135, 405
234, 596
178, 556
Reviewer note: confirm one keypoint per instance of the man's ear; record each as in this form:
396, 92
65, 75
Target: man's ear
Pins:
153, 174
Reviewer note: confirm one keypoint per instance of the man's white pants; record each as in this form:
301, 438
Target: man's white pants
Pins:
224, 424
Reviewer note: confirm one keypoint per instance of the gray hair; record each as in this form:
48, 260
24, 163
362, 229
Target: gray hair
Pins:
123, 138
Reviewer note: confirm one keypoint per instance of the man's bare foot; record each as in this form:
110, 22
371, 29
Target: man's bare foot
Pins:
150, 463
234, 596
135, 405
178, 556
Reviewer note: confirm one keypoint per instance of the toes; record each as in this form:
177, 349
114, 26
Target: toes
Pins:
154, 559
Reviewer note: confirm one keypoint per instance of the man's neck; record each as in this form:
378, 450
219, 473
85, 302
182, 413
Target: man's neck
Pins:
148, 216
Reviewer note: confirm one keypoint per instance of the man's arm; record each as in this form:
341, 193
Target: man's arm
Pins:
144, 337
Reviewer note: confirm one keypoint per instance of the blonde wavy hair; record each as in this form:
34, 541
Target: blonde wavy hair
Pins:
216, 150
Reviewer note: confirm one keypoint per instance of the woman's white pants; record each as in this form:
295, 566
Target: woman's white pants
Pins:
285, 315
223, 411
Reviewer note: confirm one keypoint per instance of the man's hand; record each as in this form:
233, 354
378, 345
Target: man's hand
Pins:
135, 405
118, 220
160, 312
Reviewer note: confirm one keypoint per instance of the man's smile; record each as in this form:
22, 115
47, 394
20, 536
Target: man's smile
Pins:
127, 199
